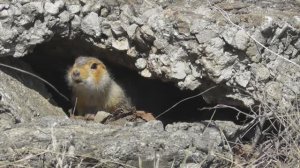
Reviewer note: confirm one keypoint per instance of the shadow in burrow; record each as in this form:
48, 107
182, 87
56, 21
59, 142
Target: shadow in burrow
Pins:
52, 59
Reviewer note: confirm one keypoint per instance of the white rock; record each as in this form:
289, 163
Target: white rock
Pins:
74, 8
241, 40
243, 79
116, 28
132, 52
101, 116
141, 63
178, 70
274, 90
121, 44
131, 30
64, 16
190, 82
76, 21
91, 25
51, 8
146, 73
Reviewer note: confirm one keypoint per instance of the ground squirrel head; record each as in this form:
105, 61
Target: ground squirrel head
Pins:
89, 73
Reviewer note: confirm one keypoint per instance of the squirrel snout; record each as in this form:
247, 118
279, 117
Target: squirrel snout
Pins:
76, 76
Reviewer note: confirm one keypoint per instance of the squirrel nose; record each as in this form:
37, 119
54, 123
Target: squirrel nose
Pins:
76, 73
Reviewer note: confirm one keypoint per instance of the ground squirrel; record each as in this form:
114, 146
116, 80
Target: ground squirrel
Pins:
94, 89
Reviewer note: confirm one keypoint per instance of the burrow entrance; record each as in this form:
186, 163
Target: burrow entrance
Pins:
52, 59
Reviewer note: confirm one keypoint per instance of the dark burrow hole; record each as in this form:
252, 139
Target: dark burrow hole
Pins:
52, 59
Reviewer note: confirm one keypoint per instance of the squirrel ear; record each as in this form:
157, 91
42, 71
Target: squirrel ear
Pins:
102, 65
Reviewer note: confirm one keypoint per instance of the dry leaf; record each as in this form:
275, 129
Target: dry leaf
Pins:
145, 116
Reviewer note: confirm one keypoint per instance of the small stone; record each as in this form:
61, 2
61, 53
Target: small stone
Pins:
91, 25
147, 33
132, 52
74, 9
274, 90
4, 14
131, 30
4, 6
121, 44
117, 29
17, 10
20, 50
101, 116
297, 44
127, 10
104, 12
261, 72
241, 40
296, 22
86, 8
33, 7
243, 79
51, 8
160, 43
75, 23
189, 82
59, 3
64, 16
138, 21
205, 36
96, 8
178, 70
141, 63
253, 54
196, 72
146, 73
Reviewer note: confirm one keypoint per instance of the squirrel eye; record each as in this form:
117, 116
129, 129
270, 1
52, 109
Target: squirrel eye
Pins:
94, 66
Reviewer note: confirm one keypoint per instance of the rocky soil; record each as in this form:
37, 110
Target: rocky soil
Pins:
195, 44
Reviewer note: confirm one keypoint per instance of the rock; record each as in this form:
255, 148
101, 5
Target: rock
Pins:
178, 70
190, 82
147, 33
205, 36
4, 6
125, 144
76, 22
274, 90
132, 52
121, 44
91, 25
64, 17
297, 44
86, 8
74, 9
253, 54
160, 43
241, 39
23, 97
104, 12
33, 7
101, 116
141, 63
131, 30
146, 73
261, 72
243, 79
51, 8
117, 29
